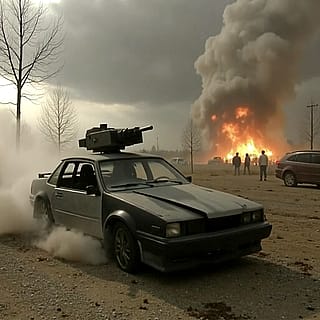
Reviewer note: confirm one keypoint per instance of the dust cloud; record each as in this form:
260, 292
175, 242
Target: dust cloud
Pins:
17, 169
72, 245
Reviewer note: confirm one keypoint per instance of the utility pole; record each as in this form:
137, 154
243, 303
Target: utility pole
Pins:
311, 106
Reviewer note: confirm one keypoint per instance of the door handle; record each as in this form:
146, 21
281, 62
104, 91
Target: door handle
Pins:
59, 195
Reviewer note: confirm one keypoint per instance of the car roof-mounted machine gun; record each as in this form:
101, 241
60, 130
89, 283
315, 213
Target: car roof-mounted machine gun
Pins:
107, 140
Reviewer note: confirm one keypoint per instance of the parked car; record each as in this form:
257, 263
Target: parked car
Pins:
178, 161
215, 160
299, 167
144, 209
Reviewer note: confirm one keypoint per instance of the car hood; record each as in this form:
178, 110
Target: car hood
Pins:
189, 197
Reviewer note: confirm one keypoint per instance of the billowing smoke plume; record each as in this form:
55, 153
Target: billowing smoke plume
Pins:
17, 169
249, 70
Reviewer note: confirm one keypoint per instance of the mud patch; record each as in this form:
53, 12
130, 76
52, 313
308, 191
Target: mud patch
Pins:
215, 311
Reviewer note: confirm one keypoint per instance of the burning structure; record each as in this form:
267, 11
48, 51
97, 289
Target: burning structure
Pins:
248, 73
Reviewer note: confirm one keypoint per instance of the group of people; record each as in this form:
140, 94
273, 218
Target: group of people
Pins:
262, 162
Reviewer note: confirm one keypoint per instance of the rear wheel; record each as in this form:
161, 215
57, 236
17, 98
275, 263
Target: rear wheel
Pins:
126, 250
290, 179
42, 212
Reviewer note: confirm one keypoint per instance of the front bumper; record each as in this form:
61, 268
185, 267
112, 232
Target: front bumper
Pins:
169, 255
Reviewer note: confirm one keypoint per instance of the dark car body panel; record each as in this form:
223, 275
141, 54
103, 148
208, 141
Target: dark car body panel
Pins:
199, 199
212, 229
217, 247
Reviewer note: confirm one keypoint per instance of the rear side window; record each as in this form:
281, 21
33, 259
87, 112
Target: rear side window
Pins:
316, 158
292, 158
304, 157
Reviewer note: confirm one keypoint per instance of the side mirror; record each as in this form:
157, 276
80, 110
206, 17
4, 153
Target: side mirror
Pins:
92, 190
189, 178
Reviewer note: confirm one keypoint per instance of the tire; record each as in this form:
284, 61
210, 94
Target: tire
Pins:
289, 179
42, 212
126, 250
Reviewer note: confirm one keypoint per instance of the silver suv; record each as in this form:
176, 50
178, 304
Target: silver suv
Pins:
299, 167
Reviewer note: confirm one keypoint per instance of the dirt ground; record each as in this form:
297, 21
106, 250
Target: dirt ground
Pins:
281, 282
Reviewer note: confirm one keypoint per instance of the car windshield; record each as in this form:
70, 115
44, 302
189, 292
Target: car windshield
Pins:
138, 173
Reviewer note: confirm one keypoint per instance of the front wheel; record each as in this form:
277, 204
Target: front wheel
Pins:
126, 249
289, 179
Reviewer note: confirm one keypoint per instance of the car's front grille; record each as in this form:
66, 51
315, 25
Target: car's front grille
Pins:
223, 223
194, 227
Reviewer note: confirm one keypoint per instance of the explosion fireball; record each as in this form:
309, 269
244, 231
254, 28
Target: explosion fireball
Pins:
249, 72
240, 136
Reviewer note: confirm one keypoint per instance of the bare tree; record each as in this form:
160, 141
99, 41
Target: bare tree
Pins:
58, 120
191, 141
30, 44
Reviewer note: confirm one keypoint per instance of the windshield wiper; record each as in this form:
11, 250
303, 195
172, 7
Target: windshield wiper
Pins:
164, 179
130, 184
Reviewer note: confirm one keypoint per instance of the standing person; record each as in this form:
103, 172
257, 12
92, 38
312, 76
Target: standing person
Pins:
247, 162
236, 161
263, 164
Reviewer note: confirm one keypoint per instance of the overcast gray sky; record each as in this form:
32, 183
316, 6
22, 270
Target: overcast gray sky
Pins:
139, 53
131, 62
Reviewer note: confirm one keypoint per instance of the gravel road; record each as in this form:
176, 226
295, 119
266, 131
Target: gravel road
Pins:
281, 282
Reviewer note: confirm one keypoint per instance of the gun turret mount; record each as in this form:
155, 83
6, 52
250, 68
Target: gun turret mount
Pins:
107, 140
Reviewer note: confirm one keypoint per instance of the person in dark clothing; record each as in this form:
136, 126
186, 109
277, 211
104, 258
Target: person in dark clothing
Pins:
247, 162
236, 161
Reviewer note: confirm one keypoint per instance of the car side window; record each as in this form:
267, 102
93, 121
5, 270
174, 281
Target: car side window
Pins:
85, 176
292, 158
304, 157
316, 158
66, 178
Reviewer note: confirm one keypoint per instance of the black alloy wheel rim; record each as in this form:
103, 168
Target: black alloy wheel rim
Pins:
122, 248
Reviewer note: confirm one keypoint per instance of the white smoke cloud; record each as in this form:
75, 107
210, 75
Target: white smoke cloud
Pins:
15, 213
17, 169
253, 62
72, 245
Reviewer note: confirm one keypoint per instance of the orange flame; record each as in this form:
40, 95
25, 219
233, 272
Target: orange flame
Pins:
242, 112
231, 130
250, 148
241, 136
214, 117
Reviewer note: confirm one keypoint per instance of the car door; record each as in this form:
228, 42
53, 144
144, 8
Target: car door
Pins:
74, 206
303, 168
315, 167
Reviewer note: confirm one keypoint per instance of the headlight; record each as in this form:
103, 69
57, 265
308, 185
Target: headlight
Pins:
173, 230
257, 216
246, 218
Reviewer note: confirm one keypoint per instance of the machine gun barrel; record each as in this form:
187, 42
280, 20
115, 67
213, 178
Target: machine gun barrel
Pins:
104, 139
146, 128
